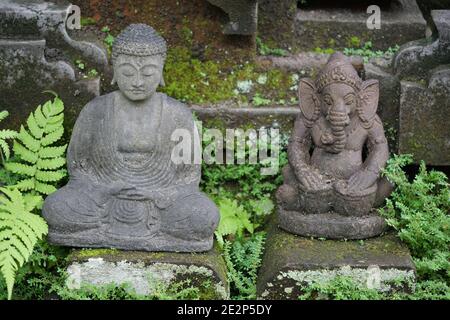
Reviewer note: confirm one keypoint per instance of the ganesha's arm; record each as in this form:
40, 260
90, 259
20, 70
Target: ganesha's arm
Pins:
298, 147
378, 149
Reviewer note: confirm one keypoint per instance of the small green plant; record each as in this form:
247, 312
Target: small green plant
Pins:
20, 229
5, 134
92, 73
324, 50
234, 219
367, 52
88, 21
265, 50
420, 212
109, 38
339, 288
243, 259
38, 161
80, 64
258, 100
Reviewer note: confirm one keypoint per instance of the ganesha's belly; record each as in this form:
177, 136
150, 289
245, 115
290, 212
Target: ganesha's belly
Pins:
339, 165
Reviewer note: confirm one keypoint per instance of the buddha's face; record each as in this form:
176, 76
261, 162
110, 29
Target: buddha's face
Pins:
138, 77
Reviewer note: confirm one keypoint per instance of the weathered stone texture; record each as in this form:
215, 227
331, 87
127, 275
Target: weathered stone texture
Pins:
291, 262
243, 15
322, 26
36, 54
147, 273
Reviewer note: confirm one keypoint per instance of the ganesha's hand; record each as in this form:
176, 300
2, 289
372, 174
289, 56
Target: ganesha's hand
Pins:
360, 181
312, 180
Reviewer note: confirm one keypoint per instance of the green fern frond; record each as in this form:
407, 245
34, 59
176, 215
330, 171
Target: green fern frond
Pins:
234, 219
20, 229
38, 159
51, 164
5, 134
28, 140
53, 136
20, 168
24, 153
52, 152
4, 147
3, 115
44, 188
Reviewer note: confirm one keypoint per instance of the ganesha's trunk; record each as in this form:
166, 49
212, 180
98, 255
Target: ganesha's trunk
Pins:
338, 121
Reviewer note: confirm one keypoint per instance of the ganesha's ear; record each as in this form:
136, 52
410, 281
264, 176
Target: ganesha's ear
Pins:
309, 103
369, 96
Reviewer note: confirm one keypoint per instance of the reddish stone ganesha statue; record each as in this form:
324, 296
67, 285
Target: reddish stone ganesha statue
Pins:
331, 185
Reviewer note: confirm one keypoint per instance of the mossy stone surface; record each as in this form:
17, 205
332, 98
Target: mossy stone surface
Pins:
291, 262
146, 271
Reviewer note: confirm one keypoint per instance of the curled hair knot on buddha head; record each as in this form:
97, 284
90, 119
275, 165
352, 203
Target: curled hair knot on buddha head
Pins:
139, 40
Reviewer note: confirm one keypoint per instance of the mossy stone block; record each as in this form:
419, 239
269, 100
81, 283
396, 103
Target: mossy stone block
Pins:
291, 262
148, 272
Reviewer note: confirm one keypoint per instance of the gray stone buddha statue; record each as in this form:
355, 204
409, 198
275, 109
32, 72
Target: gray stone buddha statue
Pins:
336, 153
125, 191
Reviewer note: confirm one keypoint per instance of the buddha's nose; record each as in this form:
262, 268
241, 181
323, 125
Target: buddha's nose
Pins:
138, 81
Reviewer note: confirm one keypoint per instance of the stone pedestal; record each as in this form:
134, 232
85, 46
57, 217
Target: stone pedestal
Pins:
292, 262
332, 24
150, 272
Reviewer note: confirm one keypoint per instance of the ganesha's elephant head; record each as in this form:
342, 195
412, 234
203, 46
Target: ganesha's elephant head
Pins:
340, 96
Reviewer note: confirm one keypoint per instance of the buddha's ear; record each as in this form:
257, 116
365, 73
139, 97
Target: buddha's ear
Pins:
309, 103
369, 96
162, 83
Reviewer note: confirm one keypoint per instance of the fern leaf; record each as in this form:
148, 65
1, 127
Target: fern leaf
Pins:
47, 109
52, 152
34, 128
52, 137
49, 176
57, 107
40, 118
56, 119
44, 188
19, 232
7, 134
28, 140
52, 127
24, 153
51, 164
20, 168
3, 115
38, 159
32, 201
5, 148
26, 184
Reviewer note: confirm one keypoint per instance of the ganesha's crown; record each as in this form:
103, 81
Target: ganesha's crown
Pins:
139, 40
338, 70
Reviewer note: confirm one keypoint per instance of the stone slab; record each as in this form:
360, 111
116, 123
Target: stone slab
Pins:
424, 130
243, 15
333, 26
291, 262
148, 272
